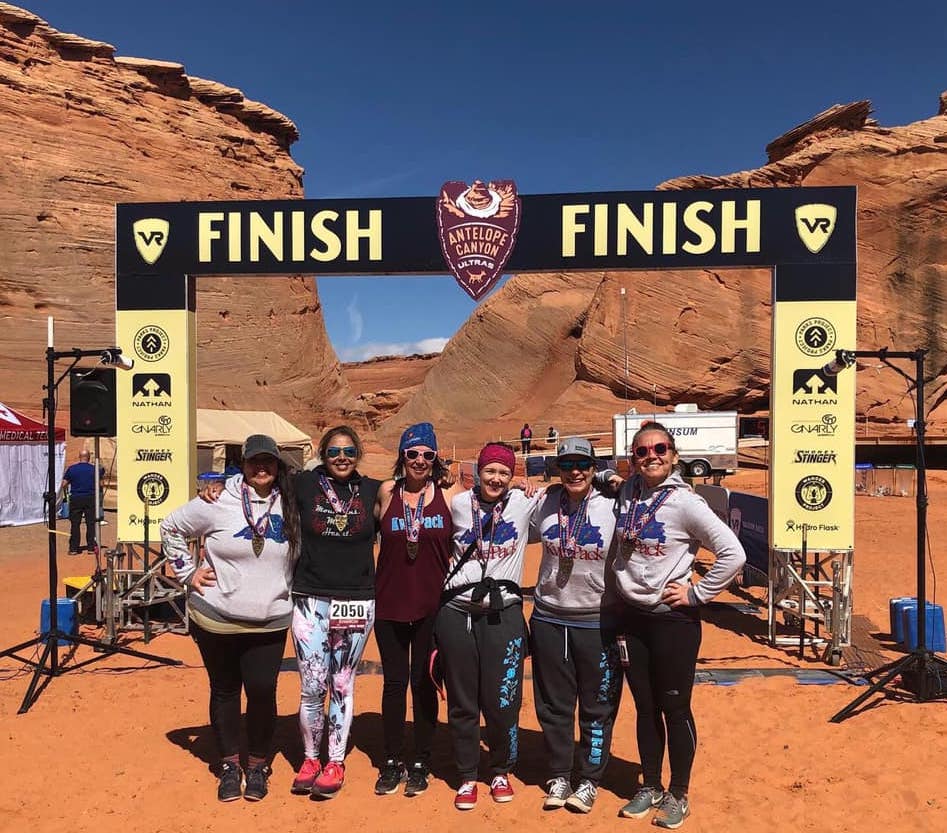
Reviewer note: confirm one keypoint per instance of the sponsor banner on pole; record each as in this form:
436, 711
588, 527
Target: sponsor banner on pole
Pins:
157, 468
812, 439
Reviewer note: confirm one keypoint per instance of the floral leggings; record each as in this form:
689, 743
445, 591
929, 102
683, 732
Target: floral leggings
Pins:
327, 662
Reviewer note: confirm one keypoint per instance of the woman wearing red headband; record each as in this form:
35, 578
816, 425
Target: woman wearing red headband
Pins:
659, 529
480, 630
415, 551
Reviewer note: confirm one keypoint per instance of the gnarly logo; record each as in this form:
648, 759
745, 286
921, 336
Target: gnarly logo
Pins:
815, 223
477, 226
151, 236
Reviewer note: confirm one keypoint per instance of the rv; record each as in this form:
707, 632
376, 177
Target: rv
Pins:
706, 440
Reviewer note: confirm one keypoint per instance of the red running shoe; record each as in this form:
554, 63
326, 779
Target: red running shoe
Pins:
329, 781
466, 798
306, 777
500, 789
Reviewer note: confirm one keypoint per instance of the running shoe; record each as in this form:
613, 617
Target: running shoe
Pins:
466, 797
417, 779
230, 787
390, 777
306, 777
500, 789
557, 791
256, 787
671, 812
329, 781
642, 803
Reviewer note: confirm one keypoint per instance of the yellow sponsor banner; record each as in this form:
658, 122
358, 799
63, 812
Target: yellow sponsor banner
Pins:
812, 426
155, 400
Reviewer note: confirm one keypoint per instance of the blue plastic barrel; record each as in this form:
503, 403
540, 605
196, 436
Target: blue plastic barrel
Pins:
934, 627
895, 606
66, 619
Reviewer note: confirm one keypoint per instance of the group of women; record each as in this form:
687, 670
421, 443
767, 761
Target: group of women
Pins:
614, 594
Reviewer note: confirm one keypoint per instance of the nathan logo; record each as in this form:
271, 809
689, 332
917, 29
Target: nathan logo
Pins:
477, 227
824, 427
151, 343
153, 455
815, 336
815, 457
813, 386
813, 493
815, 223
151, 390
151, 236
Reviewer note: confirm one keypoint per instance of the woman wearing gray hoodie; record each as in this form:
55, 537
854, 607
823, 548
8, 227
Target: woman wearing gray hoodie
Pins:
660, 527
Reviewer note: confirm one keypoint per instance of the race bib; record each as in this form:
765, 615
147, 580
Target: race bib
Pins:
346, 614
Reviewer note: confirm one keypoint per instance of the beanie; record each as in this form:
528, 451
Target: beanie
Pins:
497, 453
421, 433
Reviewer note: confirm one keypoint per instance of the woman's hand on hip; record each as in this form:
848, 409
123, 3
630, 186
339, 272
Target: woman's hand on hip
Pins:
203, 577
675, 594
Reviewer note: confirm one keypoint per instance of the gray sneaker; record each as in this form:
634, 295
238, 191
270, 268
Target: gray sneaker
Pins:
583, 798
642, 802
671, 812
558, 790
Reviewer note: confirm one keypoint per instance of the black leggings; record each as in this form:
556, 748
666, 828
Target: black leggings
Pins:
251, 661
662, 658
405, 648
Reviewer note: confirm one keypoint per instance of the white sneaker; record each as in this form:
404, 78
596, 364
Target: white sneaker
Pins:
557, 791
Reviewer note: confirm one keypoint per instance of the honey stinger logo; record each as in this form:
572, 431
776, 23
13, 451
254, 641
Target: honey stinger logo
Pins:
477, 226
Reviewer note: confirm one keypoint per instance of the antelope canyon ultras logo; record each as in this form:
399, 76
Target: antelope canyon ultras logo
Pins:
477, 226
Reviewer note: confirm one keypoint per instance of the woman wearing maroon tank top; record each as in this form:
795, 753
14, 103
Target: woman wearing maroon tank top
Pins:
415, 552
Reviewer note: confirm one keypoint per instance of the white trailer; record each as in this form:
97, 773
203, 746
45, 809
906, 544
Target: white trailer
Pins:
706, 440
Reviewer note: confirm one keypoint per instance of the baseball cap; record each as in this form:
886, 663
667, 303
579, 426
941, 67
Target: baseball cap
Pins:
260, 444
576, 447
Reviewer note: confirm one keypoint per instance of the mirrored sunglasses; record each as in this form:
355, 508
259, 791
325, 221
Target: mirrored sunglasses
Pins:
413, 453
659, 449
571, 465
334, 451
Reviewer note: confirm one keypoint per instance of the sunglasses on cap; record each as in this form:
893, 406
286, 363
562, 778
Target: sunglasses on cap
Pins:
349, 451
413, 454
571, 465
660, 449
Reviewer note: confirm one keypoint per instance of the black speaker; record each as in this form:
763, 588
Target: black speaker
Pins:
92, 402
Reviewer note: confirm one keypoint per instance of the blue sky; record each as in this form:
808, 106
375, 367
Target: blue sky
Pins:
395, 98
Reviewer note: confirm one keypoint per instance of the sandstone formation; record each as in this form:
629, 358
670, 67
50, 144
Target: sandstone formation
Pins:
82, 130
551, 350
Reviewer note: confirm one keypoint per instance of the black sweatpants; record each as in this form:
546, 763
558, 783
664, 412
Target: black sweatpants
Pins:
81, 509
482, 656
405, 649
242, 660
662, 657
575, 664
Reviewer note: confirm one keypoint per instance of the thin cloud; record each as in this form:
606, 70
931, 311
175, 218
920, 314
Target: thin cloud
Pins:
356, 322
407, 348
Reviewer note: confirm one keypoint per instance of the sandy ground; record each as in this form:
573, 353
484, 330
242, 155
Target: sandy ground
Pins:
124, 745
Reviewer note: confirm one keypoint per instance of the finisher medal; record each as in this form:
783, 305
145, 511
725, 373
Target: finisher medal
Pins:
341, 521
257, 544
412, 550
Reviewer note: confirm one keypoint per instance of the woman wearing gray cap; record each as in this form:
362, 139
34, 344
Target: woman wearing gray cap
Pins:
572, 662
240, 606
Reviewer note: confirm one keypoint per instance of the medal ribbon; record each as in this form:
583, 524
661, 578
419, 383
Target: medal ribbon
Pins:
634, 520
412, 520
569, 528
259, 527
478, 526
337, 506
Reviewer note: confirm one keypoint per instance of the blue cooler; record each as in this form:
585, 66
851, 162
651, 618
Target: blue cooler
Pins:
934, 625
895, 606
66, 619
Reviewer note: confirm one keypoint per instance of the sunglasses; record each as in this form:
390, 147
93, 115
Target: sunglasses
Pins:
571, 465
349, 451
660, 449
413, 454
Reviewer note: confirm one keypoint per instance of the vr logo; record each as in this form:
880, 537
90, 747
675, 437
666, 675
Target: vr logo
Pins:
815, 223
151, 236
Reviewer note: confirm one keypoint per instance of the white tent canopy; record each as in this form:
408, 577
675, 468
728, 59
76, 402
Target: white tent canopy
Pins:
24, 467
218, 429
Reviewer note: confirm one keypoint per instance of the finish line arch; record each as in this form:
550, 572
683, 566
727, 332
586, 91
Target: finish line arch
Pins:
806, 236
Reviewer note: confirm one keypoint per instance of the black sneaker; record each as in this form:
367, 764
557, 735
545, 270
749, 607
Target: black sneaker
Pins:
390, 777
417, 779
255, 789
230, 787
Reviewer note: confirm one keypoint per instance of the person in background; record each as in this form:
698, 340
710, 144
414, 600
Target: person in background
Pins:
333, 601
239, 604
572, 661
479, 630
526, 437
660, 527
79, 480
552, 438
415, 552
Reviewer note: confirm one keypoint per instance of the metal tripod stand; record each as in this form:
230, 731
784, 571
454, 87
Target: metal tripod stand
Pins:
920, 666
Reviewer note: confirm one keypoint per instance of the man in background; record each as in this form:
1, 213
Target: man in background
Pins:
79, 478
